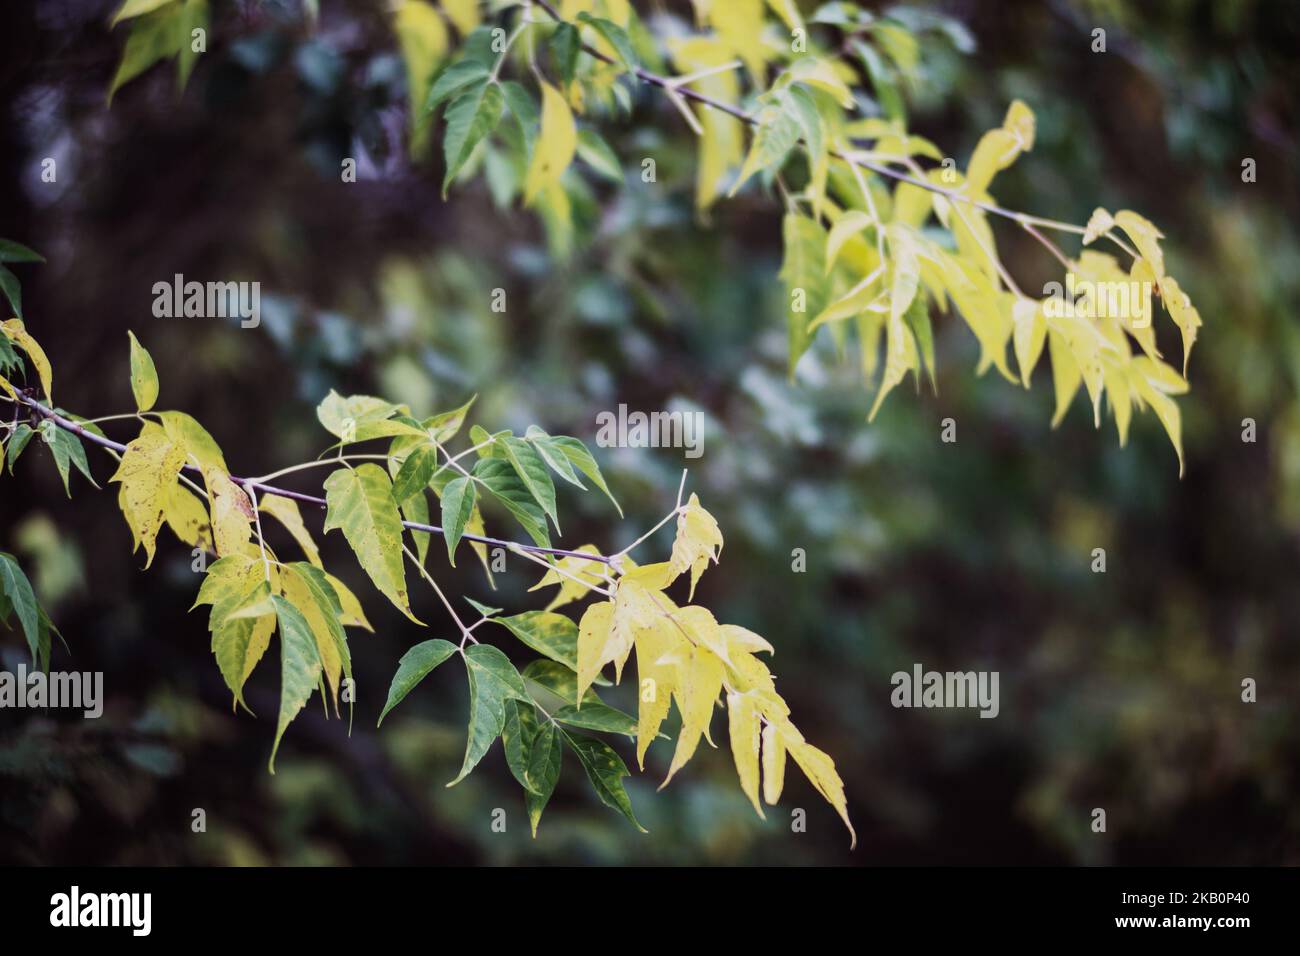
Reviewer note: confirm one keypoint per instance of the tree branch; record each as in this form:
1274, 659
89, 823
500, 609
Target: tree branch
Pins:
66, 424
673, 88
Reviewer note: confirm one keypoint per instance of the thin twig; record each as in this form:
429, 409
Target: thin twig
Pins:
247, 483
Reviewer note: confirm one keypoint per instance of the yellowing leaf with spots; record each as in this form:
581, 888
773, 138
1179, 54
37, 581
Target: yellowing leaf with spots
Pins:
147, 473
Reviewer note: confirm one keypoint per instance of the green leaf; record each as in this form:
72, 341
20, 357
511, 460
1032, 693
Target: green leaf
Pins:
11, 251
415, 665
562, 681
524, 109
21, 436
483, 608
543, 772
597, 716
144, 377
597, 154
416, 510
606, 770
453, 80
443, 427
615, 35
500, 478
882, 80
67, 450
546, 632
359, 502
135, 8
18, 590
581, 459
804, 108
457, 507
343, 415
517, 740
230, 585
492, 681
553, 455
8, 357
322, 610
803, 271
473, 115
918, 320
153, 37
532, 472
777, 131
564, 45
194, 16
300, 667
12, 289
413, 477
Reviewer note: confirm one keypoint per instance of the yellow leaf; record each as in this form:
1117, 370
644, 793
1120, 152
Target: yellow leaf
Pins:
1030, 332
232, 513
1145, 237
199, 446
422, 36
822, 74
698, 541
352, 615
739, 24
1183, 313
860, 298
586, 573
1099, 223
743, 730
743, 639
285, 510
819, 768
1121, 403
463, 13
699, 683
555, 144
773, 764
144, 377
18, 334
1166, 410
656, 679
1019, 121
722, 142
1066, 377
702, 628
788, 11
593, 641
848, 225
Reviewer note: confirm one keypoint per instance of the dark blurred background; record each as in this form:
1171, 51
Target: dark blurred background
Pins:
1118, 690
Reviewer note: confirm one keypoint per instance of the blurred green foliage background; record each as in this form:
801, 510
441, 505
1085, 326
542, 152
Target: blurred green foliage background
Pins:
1119, 690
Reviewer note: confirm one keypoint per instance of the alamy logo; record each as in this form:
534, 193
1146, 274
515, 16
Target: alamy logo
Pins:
134, 910
209, 300
922, 688
1084, 299
75, 690
654, 430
